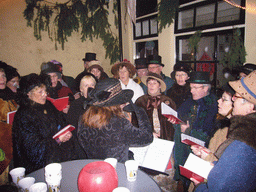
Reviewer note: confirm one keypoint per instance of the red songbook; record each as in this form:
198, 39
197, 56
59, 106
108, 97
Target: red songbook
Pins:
168, 112
196, 168
60, 103
63, 131
10, 117
189, 174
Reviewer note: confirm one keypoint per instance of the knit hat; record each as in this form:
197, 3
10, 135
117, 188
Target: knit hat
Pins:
108, 92
156, 77
246, 87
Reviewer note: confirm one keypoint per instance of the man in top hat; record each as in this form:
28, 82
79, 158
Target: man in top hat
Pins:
88, 57
141, 71
198, 113
155, 65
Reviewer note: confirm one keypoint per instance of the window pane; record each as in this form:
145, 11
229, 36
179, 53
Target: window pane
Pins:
184, 52
205, 15
144, 49
153, 26
138, 29
185, 19
144, 7
205, 50
227, 12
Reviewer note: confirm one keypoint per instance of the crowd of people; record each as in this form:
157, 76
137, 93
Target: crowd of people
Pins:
111, 114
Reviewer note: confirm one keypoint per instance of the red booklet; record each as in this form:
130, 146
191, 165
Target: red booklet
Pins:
10, 117
60, 103
63, 131
168, 112
196, 168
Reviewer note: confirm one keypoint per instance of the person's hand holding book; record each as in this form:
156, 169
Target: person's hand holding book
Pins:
65, 137
200, 151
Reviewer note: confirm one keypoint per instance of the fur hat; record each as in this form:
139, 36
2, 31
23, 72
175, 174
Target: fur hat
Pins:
199, 77
95, 64
11, 72
108, 92
246, 87
89, 57
246, 69
155, 59
29, 82
156, 77
127, 64
181, 67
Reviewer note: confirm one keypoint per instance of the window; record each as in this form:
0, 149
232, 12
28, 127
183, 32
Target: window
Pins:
208, 15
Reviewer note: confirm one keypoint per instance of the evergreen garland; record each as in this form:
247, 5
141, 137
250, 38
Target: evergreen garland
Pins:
91, 16
235, 57
166, 13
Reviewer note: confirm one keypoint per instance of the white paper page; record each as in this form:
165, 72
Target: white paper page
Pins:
195, 140
198, 165
139, 153
158, 154
168, 110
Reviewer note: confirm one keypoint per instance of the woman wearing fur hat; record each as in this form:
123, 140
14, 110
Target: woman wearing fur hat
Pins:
35, 123
180, 90
103, 130
13, 78
125, 71
236, 167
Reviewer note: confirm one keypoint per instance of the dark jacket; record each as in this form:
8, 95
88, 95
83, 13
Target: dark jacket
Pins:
60, 91
201, 115
33, 145
236, 168
114, 139
166, 128
179, 94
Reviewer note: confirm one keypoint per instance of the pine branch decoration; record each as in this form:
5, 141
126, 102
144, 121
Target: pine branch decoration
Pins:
166, 13
235, 57
90, 16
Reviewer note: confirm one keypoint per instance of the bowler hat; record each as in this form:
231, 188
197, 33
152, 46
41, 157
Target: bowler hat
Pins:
246, 87
199, 77
141, 63
128, 65
89, 57
156, 77
155, 59
108, 92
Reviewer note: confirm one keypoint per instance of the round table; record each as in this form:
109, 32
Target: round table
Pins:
71, 170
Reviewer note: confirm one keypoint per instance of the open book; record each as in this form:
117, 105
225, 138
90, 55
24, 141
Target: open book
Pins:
10, 117
60, 103
196, 168
169, 112
189, 140
155, 156
63, 131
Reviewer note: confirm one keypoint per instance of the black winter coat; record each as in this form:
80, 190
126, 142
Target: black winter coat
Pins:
33, 145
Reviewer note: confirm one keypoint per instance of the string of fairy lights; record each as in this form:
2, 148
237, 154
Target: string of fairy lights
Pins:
250, 8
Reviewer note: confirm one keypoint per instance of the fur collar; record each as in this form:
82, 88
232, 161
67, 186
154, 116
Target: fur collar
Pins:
243, 128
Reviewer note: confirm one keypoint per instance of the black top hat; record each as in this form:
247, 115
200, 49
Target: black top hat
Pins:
155, 59
108, 92
89, 57
141, 63
199, 77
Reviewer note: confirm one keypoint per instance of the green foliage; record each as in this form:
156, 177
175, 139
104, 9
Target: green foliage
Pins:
235, 57
166, 13
89, 16
193, 41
